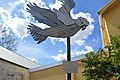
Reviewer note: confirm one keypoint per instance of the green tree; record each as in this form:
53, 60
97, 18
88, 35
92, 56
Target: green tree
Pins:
105, 63
7, 40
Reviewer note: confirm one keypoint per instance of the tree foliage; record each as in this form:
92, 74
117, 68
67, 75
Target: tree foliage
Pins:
7, 40
105, 63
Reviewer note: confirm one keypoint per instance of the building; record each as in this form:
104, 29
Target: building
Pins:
55, 72
109, 17
14, 66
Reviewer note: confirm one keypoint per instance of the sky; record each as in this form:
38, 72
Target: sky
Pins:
14, 16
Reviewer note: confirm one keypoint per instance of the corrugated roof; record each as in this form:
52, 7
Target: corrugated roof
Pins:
16, 59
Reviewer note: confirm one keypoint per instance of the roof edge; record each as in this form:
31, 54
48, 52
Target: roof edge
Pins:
102, 10
55, 64
17, 59
14, 63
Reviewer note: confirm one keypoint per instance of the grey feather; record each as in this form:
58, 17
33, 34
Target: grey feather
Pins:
60, 31
68, 4
63, 14
45, 16
37, 37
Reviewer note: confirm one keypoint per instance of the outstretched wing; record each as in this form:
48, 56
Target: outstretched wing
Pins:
69, 4
45, 16
63, 14
33, 31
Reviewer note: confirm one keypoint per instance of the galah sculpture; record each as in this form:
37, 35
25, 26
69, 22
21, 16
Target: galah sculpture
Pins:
62, 25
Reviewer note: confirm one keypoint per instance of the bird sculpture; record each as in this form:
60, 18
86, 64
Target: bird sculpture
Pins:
62, 25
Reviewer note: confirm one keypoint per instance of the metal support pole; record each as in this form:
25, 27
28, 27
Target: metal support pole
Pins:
68, 75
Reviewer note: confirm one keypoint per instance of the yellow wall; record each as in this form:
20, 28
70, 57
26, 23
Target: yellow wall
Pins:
56, 73
79, 75
110, 20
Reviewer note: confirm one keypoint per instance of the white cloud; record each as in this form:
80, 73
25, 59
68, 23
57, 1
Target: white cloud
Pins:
17, 23
87, 50
53, 40
62, 56
5, 15
80, 37
33, 59
24, 3
59, 57
19, 26
56, 5
13, 5
41, 25
60, 51
25, 13
40, 3
32, 50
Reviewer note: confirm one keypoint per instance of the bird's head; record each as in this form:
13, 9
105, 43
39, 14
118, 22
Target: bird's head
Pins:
82, 23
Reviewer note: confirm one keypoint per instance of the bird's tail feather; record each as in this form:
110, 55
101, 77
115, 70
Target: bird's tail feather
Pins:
33, 31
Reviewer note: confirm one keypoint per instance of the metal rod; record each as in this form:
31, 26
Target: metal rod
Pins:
68, 49
68, 75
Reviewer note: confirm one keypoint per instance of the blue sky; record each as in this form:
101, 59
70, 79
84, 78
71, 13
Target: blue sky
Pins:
15, 17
